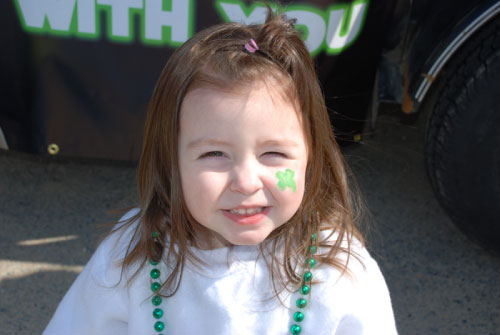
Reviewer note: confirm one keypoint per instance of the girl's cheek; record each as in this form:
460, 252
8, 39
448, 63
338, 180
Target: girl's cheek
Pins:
211, 179
289, 180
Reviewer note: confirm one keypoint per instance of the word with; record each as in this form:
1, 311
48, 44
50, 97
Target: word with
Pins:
162, 22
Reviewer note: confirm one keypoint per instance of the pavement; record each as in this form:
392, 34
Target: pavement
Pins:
53, 212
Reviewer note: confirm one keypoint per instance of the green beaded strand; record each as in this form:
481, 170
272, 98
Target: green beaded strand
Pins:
305, 289
155, 287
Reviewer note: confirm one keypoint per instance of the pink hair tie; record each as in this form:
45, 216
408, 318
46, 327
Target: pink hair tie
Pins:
251, 46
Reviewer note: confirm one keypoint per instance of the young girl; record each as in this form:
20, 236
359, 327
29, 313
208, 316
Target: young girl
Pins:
245, 223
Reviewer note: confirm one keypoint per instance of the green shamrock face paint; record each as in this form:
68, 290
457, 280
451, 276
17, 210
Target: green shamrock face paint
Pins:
285, 179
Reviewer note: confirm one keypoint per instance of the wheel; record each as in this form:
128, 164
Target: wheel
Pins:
463, 138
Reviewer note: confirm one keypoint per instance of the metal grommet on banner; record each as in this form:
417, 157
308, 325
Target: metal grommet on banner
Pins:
53, 149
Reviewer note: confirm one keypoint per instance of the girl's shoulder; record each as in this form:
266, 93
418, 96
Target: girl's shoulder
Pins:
359, 294
98, 300
123, 232
106, 263
352, 253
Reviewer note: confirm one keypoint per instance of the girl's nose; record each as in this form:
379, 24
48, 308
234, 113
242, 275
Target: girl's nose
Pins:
246, 178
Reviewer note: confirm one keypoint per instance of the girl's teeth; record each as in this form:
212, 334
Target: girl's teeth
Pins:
248, 211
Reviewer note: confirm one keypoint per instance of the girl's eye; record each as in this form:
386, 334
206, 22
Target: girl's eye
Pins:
275, 154
213, 154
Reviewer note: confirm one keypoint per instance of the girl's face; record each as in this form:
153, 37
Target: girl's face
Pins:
242, 161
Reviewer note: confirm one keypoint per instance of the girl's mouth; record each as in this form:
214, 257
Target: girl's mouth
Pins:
246, 211
246, 216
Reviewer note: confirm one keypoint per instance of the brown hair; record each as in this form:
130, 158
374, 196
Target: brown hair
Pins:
217, 56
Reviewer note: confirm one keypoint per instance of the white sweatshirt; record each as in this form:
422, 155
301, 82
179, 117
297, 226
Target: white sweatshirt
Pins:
221, 299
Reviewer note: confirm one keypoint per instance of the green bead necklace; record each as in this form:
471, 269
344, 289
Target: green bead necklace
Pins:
305, 289
155, 286
301, 303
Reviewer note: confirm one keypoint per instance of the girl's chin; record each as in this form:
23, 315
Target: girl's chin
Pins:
248, 238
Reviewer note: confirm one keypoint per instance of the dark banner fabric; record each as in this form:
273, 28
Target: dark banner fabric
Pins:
77, 75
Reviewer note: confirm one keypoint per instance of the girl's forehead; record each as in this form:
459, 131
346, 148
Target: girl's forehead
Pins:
262, 91
261, 104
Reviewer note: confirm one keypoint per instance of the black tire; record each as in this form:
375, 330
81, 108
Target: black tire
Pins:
463, 138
